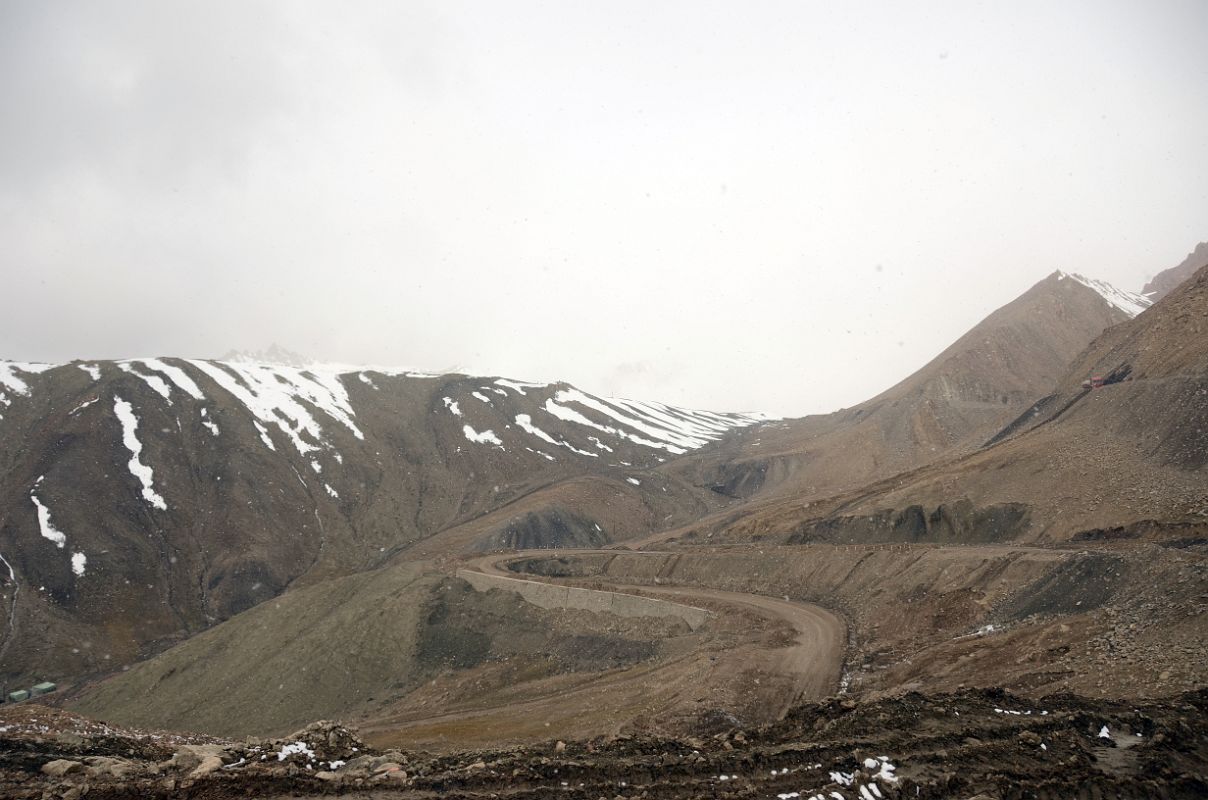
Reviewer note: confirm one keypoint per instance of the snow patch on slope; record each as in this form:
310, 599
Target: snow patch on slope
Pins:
154, 381
486, 437
49, 531
10, 380
175, 374
654, 425
526, 422
275, 395
1130, 303
518, 386
125, 414
264, 436
657, 425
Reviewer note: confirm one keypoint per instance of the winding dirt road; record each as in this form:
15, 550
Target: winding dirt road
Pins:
812, 663
760, 657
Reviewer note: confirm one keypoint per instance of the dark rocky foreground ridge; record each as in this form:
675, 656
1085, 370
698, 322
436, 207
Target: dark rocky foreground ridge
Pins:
971, 743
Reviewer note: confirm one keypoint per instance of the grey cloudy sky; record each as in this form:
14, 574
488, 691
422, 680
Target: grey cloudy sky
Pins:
783, 206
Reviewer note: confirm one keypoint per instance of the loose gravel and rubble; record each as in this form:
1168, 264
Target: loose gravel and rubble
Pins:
974, 743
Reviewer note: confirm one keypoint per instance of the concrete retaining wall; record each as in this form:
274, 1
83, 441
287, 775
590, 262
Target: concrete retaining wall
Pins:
553, 596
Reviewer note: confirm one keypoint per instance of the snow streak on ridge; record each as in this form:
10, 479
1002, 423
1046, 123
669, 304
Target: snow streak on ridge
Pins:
273, 395
1130, 303
125, 414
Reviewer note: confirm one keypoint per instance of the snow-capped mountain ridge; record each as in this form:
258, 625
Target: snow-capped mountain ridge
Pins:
286, 397
1130, 303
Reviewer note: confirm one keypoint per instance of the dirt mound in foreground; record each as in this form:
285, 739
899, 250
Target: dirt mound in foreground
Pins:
984, 743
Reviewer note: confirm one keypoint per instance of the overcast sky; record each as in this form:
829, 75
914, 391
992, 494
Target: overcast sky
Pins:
745, 205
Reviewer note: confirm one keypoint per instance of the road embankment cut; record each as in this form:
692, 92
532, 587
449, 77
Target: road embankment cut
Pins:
554, 596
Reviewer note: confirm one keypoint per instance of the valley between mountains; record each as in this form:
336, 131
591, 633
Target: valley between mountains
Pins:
483, 585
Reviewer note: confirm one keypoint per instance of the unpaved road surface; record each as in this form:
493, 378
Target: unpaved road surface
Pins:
756, 658
813, 660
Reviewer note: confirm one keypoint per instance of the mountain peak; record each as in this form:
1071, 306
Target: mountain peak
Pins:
1128, 302
275, 354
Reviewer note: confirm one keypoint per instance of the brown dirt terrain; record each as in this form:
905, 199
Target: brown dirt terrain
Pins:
950, 406
756, 658
1102, 620
973, 743
1129, 457
406, 641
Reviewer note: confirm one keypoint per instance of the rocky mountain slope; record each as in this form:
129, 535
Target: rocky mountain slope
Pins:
1165, 281
1125, 461
950, 406
141, 501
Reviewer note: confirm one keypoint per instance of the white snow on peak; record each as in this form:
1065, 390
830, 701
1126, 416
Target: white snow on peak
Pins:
93, 370
278, 396
125, 414
331, 491
519, 386
78, 562
277, 356
486, 437
1130, 303
655, 425
49, 531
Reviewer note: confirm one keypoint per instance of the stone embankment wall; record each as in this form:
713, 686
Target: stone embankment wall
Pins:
554, 596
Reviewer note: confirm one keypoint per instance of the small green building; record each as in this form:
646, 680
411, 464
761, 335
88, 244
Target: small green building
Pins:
46, 687
18, 696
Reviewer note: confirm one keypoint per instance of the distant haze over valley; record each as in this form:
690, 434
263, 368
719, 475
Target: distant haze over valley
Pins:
644, 200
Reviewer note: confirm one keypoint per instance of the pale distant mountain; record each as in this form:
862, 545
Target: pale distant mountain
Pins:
1165, 282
